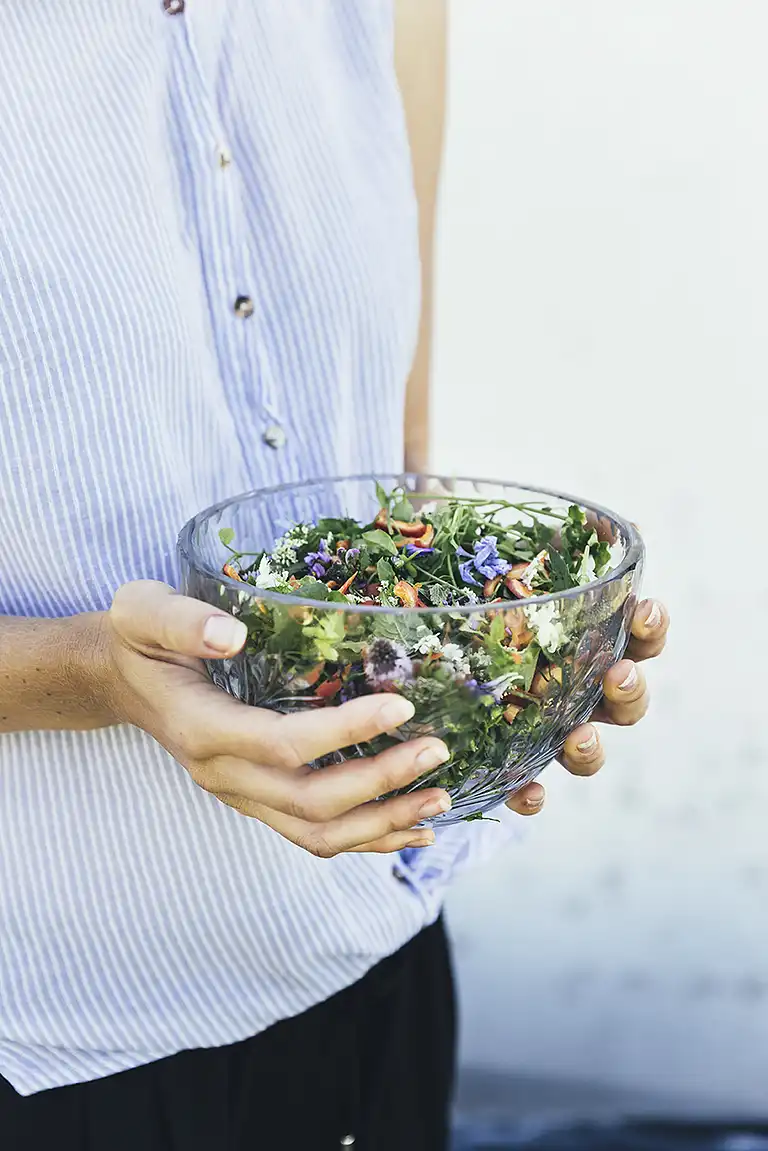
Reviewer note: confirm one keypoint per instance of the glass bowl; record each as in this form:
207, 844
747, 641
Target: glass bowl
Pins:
500, 735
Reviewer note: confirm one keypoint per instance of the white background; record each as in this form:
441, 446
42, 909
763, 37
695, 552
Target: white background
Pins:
602, 326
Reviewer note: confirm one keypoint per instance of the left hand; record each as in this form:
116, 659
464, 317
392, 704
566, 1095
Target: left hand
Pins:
625, 703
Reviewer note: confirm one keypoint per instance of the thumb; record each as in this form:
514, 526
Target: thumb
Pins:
149, 614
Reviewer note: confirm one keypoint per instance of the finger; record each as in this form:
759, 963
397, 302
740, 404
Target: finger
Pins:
395, 841
650, 625
320, 796
150, 615
625, 695
399, 840
358, 829
583, 753
528, 800
290, 741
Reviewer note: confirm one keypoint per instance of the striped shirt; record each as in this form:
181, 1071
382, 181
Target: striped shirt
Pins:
209, 282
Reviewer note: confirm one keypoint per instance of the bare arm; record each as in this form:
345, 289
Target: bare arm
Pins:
49, 673
421, 27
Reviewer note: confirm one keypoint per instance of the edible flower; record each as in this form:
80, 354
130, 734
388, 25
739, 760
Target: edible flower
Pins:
318, 562
484, 560
386, 663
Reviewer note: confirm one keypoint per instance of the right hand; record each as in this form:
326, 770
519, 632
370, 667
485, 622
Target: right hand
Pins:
153, 642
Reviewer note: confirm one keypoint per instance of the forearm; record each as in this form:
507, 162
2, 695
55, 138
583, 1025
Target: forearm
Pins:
50, 674
421, 50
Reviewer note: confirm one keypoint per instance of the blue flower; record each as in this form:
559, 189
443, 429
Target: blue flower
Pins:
319, 562
486, 560
413, 550
465, 569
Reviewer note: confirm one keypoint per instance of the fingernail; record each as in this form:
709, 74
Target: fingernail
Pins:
630, 681
396, 711
432, 757
653, 619
435, 807
590, 742
535, 800
422, 841
222, 633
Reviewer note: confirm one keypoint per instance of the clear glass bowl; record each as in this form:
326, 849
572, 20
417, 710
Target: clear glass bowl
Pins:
497, 744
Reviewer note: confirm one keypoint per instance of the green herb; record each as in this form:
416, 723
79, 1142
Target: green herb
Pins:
380, 541
482, 681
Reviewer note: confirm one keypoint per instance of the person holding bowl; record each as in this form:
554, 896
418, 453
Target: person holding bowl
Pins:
210, 281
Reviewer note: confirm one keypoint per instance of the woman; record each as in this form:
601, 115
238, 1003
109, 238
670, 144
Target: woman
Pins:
209, 282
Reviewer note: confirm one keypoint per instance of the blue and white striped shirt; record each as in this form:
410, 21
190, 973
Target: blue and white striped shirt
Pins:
155, 168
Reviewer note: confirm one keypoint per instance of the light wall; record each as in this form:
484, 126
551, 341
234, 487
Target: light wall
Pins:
603, 326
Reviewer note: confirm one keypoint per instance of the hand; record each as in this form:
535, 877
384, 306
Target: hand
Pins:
625, 702
152, 643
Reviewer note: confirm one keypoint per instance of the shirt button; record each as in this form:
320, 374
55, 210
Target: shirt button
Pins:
223, 156
274, 436
398, 874
348, 1141
243, 307
173, 7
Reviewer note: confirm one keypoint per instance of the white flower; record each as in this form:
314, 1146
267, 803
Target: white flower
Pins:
480, 661
285, 549
265, 577
429, 645
455, 656
453, 653
547, 627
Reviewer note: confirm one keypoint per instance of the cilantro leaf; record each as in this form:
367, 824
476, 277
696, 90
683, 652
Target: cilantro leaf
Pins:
226, 535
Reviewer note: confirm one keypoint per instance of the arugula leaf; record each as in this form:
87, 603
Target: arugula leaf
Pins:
403, 510
379, 539
602, 557
382, 496
496, 630
311, 588
226, 535
561, 576
385, 571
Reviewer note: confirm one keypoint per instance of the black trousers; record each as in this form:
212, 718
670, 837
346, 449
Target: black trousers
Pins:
374, 1062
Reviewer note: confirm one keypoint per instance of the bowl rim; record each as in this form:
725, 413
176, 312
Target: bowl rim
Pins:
634, 555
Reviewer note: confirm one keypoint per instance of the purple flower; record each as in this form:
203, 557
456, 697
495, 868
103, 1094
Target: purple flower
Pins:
465, 569
413, 550
318, 562
386, 663
351, 556
485, 560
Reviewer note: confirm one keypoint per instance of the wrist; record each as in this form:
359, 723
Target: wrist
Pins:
88, 666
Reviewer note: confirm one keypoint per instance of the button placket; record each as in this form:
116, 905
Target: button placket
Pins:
225, 237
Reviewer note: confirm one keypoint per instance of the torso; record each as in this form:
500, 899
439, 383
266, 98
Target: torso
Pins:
154, 169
